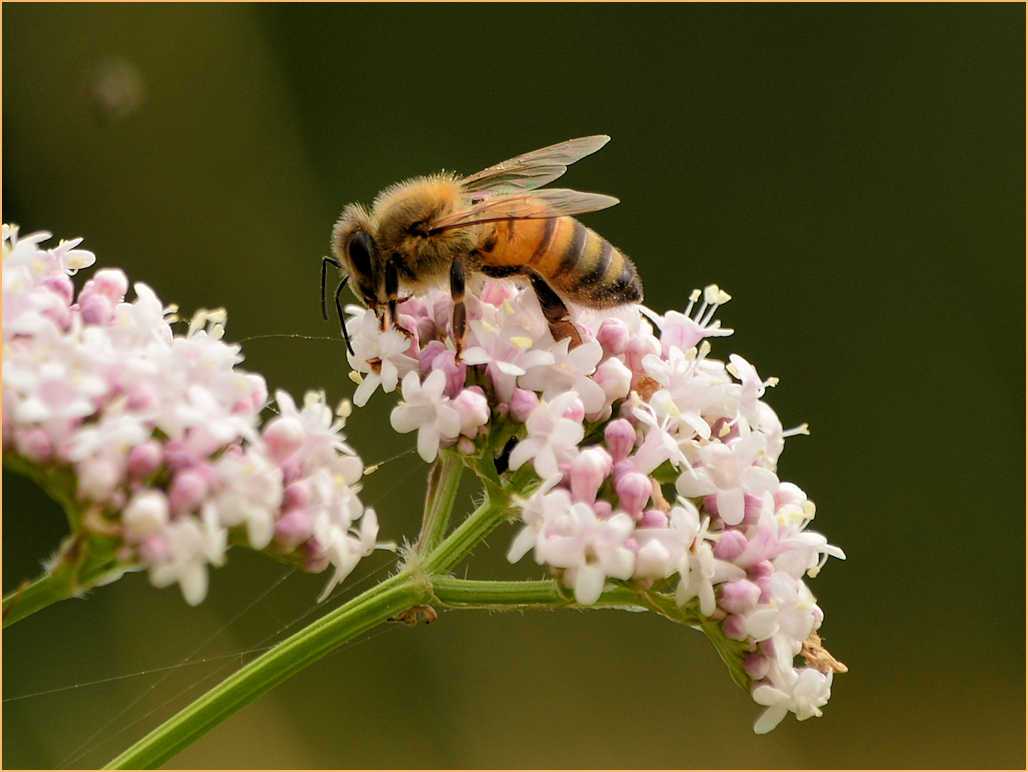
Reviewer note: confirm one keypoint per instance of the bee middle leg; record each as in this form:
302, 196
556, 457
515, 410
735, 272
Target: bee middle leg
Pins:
457, 293
555, 311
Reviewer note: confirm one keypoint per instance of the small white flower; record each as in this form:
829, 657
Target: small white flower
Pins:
544, 503
803, 692
727, 471
379, 356
426, 409
570, 371
589, 548
552, 439
505, 345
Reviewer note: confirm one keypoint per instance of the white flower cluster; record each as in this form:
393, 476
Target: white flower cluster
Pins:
162, 431
610, 426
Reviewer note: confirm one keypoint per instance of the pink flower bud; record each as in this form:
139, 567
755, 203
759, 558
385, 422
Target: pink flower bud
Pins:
634, 491
145, 514
111, 283
653, 518
96, 309
188, 489
292, 470
730, 545
637, 350
178, 455
428, 355
575, 411
734, 628
473, 409
141, 397
620, 438
61, 286
603, 509
465, 446
787, 494
623, 467
144, 459
613, 335
762, 570
315, 559
293, 528
297, 494
35, 445
284, 435
154, 549
739, 597
522, 403
97, 478
587, 473
756, 665
614, 378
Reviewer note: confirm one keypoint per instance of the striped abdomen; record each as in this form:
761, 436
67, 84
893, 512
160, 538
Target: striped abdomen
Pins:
573, 259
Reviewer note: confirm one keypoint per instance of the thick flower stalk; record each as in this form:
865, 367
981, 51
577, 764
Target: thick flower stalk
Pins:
153, 441
656, 465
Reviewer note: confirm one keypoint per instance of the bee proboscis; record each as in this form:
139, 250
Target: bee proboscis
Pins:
499, 222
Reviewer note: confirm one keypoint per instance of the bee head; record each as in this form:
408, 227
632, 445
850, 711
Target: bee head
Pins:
354, 247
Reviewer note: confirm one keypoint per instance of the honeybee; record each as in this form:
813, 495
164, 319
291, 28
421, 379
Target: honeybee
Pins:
496, 222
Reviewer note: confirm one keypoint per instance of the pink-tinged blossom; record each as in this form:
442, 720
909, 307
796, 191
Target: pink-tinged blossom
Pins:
552, 439
608, 425
802, 691
685, 330
506, 348
570, 372
727, 471
162, 430
588, 548
380, 358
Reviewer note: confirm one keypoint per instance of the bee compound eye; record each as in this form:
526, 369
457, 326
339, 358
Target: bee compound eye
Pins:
360, 249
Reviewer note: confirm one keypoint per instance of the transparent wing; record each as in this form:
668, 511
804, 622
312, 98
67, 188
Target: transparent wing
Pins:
535, 169
536, 205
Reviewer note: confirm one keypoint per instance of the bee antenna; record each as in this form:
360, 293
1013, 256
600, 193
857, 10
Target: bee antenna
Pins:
342, 316
325, 262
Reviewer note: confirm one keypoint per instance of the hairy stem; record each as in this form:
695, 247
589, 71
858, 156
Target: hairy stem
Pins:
455, 593
36, 595
443, 484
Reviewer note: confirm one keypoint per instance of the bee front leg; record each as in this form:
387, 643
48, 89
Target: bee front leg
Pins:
555, 311
392, 288
457, 293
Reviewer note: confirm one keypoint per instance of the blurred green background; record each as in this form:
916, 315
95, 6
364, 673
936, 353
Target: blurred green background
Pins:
852, 175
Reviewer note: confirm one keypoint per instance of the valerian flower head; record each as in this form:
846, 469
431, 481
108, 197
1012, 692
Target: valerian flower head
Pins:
655, 462
162, 431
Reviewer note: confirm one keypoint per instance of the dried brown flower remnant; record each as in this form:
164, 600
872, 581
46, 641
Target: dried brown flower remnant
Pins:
819, 658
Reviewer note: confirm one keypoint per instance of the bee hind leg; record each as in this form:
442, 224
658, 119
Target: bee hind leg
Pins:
555, 311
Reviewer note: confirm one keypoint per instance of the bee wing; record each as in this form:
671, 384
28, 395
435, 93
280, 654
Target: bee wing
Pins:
536, 205
535, 169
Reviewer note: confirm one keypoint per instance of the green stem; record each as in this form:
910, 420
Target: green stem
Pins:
443, 484
371, 608
455, 593
466, 536
37, 595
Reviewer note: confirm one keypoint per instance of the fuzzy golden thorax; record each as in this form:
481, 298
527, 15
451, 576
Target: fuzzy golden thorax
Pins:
401, 217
